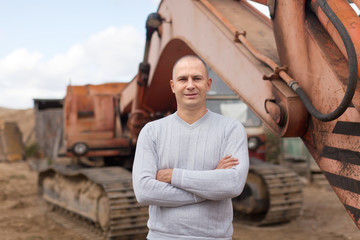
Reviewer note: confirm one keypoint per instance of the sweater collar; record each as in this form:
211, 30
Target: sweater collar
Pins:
195, 124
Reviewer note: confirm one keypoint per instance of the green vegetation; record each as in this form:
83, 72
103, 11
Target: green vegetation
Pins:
18, 176
32, 150
272, 147
34, 238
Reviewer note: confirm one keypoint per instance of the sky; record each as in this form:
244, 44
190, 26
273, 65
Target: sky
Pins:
46, 45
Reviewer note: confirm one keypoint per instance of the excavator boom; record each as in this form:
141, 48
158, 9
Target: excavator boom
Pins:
264, 62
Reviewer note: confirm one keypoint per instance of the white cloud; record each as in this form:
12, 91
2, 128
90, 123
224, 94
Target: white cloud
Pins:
262, 8
156, 2
19, 65
110, 55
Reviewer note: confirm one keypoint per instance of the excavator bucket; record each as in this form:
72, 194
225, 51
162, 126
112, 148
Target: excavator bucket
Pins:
11, 145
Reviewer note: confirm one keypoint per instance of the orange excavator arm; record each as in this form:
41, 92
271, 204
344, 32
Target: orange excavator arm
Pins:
293, 71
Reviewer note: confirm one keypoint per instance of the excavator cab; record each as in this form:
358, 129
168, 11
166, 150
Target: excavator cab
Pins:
222, 100
93, 131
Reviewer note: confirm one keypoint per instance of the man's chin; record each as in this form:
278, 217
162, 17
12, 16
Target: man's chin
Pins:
193, 106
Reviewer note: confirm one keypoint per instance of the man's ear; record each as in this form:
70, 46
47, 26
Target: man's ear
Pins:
172, 86
209, 83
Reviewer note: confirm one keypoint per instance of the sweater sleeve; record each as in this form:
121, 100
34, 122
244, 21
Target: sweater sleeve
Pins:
219, 184
148, 190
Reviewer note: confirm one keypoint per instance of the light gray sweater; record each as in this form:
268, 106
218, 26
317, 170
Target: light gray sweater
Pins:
197, 203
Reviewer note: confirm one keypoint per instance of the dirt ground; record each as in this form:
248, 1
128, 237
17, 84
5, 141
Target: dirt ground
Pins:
323, 218
24, 216
22, 213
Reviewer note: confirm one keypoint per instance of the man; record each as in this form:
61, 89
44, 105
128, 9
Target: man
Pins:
190, 164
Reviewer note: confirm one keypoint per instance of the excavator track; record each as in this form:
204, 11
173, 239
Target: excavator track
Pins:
102, 196
273, 194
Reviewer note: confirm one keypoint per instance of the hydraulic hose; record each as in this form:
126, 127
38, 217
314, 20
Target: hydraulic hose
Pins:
353, 71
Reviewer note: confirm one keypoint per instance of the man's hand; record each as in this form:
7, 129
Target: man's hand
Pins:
227, 162
164, 175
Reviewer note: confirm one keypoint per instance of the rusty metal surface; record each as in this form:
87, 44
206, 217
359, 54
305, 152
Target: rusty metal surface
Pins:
321, 70
265, 2
254, 23
136, 122
65, 219
216, 45
11, 145
127, 96
351, 22
357, 3
91, 117
113, 212
349, 19
285, 100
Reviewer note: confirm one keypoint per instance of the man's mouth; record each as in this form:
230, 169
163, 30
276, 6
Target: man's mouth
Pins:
191, 95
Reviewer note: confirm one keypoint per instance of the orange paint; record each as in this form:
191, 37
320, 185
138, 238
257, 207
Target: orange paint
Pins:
349, 19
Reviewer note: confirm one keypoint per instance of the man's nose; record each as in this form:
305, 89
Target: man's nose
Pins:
190, 83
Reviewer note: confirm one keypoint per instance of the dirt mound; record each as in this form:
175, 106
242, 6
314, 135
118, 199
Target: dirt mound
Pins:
23, 215
25, 118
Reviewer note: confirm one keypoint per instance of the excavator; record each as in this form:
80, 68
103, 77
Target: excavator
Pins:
297, 71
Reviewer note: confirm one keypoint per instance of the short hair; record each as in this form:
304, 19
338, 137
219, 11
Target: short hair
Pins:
193, 57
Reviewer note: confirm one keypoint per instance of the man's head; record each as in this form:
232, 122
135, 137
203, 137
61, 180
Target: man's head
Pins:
193, 57
190, 83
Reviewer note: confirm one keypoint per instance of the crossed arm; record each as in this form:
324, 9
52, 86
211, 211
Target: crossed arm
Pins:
179, 187
148, 190
164, 175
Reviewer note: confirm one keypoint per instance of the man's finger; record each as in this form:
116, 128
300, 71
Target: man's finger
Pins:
229, 160
228, 163
226, 157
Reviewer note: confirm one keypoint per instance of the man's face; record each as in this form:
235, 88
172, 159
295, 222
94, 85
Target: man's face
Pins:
190, 84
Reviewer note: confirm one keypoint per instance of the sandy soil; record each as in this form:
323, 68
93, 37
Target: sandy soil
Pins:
24, 216
323, 218
22, 213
